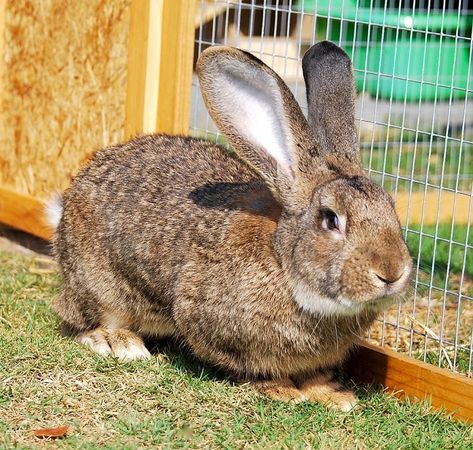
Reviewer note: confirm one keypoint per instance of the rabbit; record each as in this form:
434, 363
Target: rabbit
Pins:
268, 263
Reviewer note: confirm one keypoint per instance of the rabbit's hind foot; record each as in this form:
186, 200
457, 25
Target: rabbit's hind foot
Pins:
282, 389
322, 388
319, 388
121, 343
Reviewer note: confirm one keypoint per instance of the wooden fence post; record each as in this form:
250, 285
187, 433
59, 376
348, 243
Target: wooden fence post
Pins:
160, 57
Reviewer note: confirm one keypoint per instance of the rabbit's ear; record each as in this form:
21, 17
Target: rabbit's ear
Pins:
259, 116
330, 86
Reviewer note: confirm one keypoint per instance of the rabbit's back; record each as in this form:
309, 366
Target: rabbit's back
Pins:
137, 214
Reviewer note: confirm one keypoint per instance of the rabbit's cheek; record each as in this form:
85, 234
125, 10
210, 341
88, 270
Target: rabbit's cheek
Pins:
324, 250
356, 284
312, 264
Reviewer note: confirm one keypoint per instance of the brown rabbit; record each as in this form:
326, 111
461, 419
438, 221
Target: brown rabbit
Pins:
269, 265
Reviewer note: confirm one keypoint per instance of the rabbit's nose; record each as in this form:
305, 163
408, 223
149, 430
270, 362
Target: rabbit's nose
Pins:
389, 278
389, 271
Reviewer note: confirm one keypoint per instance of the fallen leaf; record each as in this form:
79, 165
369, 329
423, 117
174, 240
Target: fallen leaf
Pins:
57, 432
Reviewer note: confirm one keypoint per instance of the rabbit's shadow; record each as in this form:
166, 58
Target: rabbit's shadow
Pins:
181, 358
253, 197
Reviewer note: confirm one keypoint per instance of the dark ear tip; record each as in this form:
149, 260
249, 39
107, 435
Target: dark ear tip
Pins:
220, 55
214, 52
321, 51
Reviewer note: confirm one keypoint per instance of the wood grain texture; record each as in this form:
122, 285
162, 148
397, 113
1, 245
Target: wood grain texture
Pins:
161, 46
3, 4
208, 11
24, 212
412, 378
144, 57
177, 55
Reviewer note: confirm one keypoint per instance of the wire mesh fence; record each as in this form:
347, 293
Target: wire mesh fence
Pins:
414, 76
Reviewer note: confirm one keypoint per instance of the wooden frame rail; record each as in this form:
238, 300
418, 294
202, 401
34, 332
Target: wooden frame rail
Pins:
405, 376
24, 212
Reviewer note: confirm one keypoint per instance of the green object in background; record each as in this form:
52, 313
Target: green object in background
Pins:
400, 53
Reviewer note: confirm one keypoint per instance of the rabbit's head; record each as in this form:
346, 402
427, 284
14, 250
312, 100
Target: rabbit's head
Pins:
338, 235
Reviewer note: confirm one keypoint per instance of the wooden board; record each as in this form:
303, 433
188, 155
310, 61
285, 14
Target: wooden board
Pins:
177, 56
412, 378
144, 56
161, 47
209, 10
23, 212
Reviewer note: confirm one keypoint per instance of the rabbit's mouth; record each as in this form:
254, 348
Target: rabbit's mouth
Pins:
392, 288
313, 302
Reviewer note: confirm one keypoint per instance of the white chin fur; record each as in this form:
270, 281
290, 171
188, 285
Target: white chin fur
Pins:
312, 302
53, 210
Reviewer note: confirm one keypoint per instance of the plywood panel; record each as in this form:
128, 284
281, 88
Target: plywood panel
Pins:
63, 89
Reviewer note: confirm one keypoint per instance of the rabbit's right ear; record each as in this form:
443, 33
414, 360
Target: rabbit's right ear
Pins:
261, 119
328, 75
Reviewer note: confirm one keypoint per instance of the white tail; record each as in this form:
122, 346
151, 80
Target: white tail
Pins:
53, 210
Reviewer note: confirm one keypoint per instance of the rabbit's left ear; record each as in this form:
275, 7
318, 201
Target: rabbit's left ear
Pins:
261, 119
330, 86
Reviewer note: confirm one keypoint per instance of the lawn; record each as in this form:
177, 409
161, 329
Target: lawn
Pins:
171, 401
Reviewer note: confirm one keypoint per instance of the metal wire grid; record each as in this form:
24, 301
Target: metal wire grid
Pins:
413, 145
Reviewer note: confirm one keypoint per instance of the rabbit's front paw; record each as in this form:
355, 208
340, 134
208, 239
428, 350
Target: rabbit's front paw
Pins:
122, 343
96, 340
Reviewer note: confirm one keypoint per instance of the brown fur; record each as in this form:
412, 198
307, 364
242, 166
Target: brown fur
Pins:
172, 235
282, 389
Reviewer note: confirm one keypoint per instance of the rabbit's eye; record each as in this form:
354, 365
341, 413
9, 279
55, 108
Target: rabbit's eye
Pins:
330, 221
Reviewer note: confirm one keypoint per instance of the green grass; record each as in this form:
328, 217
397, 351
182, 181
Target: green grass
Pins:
447, 256
170, 401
